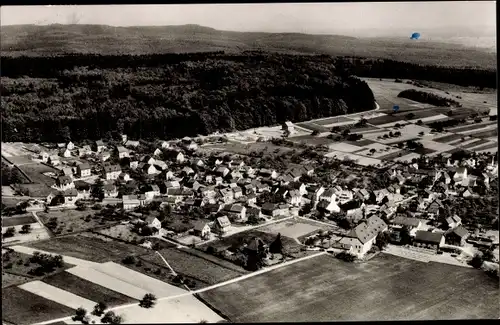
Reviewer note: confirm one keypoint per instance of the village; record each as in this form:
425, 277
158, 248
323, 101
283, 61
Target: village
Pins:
179, 194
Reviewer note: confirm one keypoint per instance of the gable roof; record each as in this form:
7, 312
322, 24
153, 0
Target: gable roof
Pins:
84, 166
112, 168
199, 225
404, 221
223, 221
427, 236
460, 231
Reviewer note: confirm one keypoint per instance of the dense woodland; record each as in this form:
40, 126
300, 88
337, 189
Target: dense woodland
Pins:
428, 98
175, 95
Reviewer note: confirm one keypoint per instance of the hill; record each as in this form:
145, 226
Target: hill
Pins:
170, 96
58, 39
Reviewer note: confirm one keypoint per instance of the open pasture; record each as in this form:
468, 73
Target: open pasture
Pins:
22, 307
312, 140
381, 150
436, 146
485, 147
245, 149
91, 248
313, 127
486, 134
382, 120
385, 288
449, 138
35, 172
344, 147
14, 221
13, 149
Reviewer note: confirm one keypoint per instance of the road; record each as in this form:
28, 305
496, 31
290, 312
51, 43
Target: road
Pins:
187, 293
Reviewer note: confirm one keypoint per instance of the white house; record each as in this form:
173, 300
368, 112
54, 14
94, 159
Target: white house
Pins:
110, 191
100, 146
70, 146
122, 152
70, 196
83, 170
130, 202
150, 169
153, 222
165, 144
222, 225
201, 229
134, 164
289, 127
460, 174
328, 195
111, 172
295, 198
363, 236
66, 153
44, 156
180, 158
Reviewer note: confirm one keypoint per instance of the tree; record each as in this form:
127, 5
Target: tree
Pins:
80, 205
108, 317
382, 240
315, 133
97, 190
488, 255
276, 246
129, 260
80, 313
419, 122
10, 232
26, 229
99, 309
477, 261
148, 301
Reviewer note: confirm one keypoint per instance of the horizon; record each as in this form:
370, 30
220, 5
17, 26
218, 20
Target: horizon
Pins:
304, 18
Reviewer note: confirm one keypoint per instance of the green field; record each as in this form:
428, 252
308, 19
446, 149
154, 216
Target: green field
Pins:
23, 307
18, 220
35, 172
86, 289
88, 248
385, 288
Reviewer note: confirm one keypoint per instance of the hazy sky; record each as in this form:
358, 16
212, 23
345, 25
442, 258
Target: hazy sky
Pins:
296, 17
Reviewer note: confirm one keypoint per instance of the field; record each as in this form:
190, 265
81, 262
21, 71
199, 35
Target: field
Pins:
486, 134
192, 266
385, 288
381, 120
245, 149
333, 120
87, 289
88, 247
35, 190
312, 140
22, 307
486, 147
35, 172
475, 144
361, 160
9, 279
18, 220
470, 127
449, 138
294, 229
313, 127
12, 149
69, 221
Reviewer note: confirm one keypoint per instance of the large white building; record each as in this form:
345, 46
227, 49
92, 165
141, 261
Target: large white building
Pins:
363, 236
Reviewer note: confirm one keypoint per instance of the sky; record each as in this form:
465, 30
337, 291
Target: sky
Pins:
321, 18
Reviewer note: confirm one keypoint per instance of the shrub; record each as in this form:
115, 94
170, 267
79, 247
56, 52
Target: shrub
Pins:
129, 260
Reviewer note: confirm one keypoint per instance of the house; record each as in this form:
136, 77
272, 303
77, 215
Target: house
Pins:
124, 177
153, 222
160, 164
453, 221
222, 171
65, 153
122, 152
288, 127
172, 184
236, 212
430, 240
251, 199
411, 223
344, 196
364, 235
201, 229
111, 172
44, 156
131, 144
308, 170
187, 171
226, 195
222, 225
270, 209
153, 191
169, 175
218, 181
183, 193
134, 164
83, 170
208, 192
157, 152
148, 160
294, 198
67, 171
165, 145
328, 206
249, 188
64, 183
285, 179
150, 169
434, 207
456, 236
110, 190
99, 146
328, 195
103, 156
130, 202
192, 146
237, 192
268, 173
460, 174
237, 163
180, 158
83, 189
70, 196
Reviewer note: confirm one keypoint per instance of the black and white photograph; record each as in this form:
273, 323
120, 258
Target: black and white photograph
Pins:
249, 162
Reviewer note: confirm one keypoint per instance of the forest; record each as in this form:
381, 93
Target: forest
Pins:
428, 98
76, 97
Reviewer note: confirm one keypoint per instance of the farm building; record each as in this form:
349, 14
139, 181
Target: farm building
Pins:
201, 229
83, 170
288, 127
457, 236
427, 239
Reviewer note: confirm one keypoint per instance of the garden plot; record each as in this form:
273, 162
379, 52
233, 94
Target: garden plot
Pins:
460, 143
484, 146
18, 220
58, 295
448, 138
360, 160
290, 229
385, 119
480, 130
487, 134
108, 281
344, 147
157, 287
408, 157
436, 146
